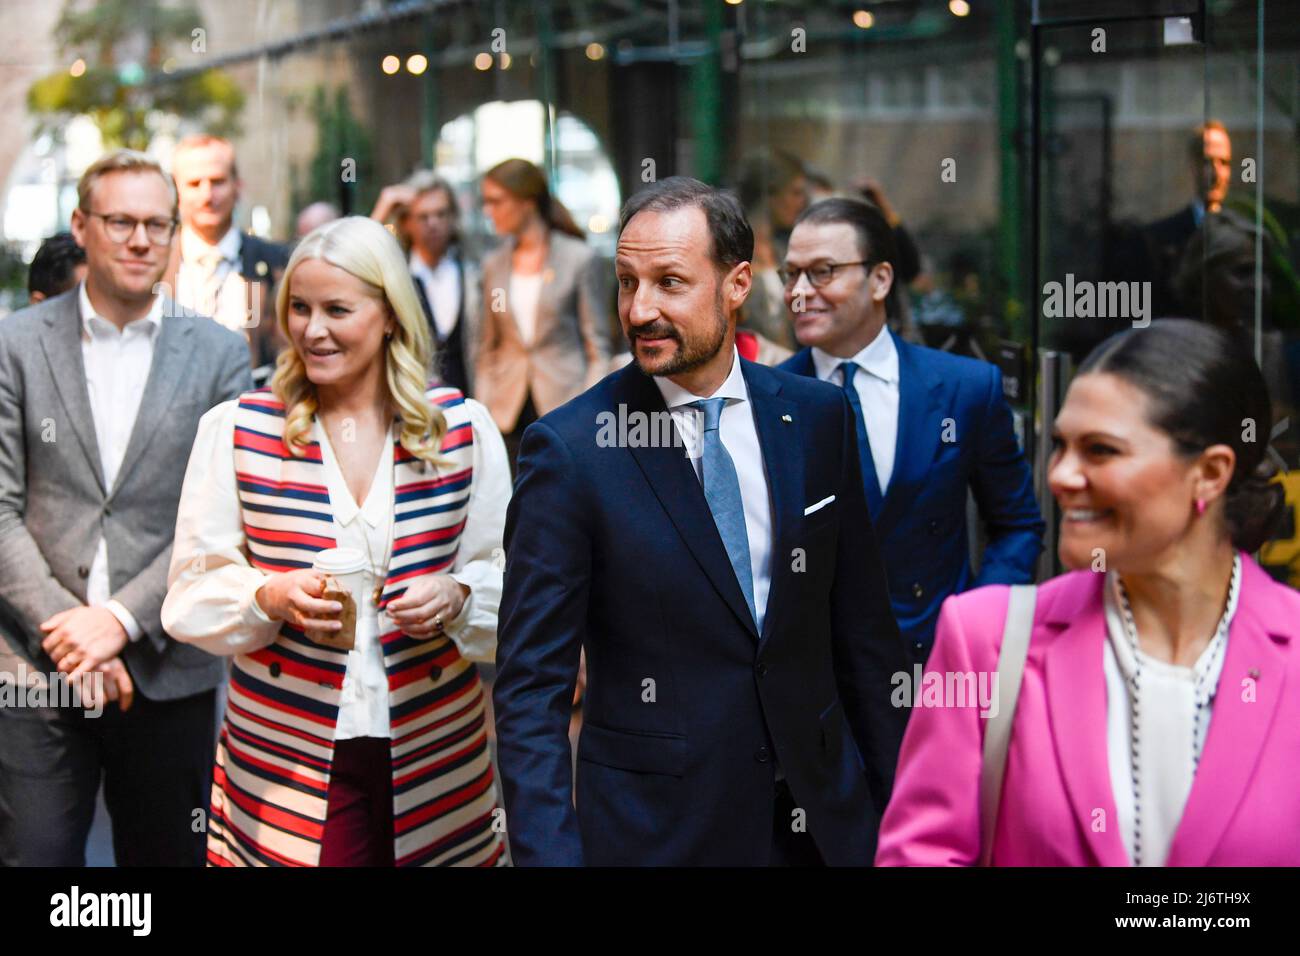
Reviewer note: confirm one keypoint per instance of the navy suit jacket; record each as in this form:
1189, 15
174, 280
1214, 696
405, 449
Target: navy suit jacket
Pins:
954, 432
687, 708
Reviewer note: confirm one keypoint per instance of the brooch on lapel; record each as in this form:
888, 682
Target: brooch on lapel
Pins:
787, 419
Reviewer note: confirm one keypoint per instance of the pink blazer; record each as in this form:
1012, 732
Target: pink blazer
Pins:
1057, 804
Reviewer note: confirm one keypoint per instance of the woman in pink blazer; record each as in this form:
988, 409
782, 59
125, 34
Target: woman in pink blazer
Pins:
1159, 715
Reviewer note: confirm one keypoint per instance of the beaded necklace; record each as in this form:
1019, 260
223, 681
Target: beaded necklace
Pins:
1203, 688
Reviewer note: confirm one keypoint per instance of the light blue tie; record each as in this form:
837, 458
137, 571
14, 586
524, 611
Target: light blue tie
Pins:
722, 491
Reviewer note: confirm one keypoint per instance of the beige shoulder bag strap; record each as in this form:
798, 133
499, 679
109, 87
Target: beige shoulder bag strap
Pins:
997, 735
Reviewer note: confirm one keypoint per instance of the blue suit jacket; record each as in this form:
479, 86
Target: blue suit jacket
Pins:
687, 706
954, 432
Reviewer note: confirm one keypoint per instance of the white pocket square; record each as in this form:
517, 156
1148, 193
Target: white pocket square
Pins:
818, 507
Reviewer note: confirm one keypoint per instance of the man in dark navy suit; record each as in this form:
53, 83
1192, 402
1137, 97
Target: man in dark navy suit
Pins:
696, 522
1210, 157
930, 424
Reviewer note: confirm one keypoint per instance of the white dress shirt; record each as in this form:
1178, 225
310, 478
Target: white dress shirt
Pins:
878, 392
740, 437
210, 602
525, 293
224, 295
117, 366
441, 285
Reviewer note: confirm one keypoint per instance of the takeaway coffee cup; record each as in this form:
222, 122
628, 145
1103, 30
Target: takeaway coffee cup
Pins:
346, 574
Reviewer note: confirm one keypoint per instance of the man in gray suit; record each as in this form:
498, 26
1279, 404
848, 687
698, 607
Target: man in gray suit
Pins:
101, 391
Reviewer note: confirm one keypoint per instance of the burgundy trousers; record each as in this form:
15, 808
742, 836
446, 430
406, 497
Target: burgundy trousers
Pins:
359, 820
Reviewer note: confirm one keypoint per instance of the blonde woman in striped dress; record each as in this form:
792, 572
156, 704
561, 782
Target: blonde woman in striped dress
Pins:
378, 755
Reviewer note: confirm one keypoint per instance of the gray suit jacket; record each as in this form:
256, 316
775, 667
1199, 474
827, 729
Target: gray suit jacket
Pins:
569, 351
54, 507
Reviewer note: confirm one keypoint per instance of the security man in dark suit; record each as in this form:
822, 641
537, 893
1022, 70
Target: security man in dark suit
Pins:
427, 219
1210, 155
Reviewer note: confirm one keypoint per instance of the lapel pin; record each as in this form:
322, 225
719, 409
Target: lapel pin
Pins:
787, 419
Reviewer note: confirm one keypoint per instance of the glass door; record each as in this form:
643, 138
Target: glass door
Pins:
1164, 163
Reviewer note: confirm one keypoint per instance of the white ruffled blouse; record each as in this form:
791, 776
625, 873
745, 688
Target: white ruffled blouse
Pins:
210, 602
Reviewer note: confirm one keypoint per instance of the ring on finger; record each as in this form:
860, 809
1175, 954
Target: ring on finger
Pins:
437, 622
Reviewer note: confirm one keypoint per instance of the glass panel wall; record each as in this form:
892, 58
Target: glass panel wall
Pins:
1167, 187
1015, 144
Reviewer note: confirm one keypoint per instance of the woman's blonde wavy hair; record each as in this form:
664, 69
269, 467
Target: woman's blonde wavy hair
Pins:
364, 249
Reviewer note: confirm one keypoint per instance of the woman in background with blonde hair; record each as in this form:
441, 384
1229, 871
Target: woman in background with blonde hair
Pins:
374, 755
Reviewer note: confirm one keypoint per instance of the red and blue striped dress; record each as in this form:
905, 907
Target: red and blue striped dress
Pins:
272, 774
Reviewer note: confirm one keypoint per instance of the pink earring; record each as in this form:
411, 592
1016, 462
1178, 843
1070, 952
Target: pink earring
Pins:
1200, 506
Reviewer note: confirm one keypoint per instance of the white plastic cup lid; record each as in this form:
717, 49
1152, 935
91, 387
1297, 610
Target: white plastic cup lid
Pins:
339, 561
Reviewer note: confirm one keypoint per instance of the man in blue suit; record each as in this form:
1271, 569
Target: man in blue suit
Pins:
696, 522
930, 424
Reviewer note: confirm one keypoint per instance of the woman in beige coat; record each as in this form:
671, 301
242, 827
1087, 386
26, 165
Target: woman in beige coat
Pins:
545, 315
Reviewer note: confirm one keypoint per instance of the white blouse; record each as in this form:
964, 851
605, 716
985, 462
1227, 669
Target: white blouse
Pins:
1171, 740
525, 294
210, 601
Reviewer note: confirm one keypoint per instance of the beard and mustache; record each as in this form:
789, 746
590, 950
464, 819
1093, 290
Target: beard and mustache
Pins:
693, 349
